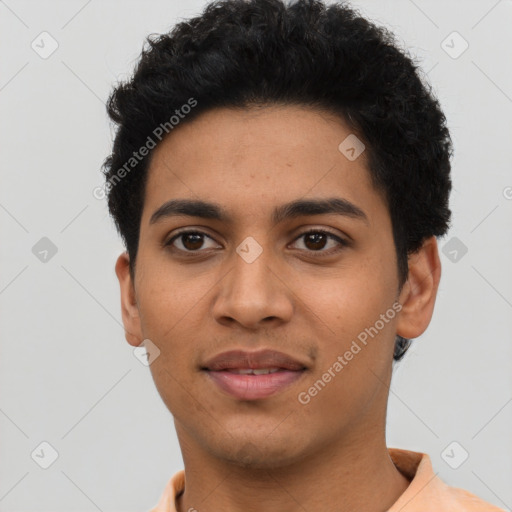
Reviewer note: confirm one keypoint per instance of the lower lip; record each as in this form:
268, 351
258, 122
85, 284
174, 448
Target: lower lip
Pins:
254, 387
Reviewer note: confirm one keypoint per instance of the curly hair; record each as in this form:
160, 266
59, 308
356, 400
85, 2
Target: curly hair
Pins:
240, 53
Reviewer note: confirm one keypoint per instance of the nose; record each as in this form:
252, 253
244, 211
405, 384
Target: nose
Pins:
254, 294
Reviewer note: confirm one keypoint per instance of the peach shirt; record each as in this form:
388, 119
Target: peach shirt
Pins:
426, 492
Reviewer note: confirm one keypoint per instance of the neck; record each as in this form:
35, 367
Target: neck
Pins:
355, 475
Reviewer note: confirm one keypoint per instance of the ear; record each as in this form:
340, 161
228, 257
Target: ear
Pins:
129, 308
419, 292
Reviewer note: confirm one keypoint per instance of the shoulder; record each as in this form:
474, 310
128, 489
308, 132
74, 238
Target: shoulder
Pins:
427, 492
174, 487
466, 501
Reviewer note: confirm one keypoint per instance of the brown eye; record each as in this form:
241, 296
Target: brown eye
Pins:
316, 240
190, 241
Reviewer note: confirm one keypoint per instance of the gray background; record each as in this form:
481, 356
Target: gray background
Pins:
68, 377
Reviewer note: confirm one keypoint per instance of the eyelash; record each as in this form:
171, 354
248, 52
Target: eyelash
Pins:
342, 243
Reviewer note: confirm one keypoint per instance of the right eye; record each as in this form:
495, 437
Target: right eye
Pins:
190, 241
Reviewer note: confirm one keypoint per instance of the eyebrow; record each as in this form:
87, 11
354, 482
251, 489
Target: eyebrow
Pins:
297, 208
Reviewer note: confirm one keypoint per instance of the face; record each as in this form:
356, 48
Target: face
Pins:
252, 280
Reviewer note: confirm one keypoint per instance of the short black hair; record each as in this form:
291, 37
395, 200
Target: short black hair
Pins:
243, 53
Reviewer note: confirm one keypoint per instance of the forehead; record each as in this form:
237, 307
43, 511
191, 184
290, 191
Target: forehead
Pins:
251, 160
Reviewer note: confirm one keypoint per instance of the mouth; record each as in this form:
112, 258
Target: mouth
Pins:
253, 375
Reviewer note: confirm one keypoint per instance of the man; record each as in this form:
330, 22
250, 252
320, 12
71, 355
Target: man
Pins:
279, 176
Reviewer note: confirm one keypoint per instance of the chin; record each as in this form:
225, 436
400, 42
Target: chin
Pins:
261, 454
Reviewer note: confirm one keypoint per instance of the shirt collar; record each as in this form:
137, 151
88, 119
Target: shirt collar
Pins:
426, 490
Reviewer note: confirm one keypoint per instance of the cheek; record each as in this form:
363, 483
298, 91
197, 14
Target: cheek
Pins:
357, 322
168, 315
168, 318
355, 358
166, 299
353, 297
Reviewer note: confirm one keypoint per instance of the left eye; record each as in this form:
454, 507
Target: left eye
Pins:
314, 241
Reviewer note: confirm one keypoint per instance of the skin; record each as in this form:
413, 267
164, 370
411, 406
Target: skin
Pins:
274, 454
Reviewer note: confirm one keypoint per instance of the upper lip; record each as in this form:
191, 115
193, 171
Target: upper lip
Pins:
241, 359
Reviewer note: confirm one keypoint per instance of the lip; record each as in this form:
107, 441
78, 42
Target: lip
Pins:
240, 359
253, 387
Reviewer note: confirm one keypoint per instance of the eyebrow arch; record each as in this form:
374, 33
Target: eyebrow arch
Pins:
297, 208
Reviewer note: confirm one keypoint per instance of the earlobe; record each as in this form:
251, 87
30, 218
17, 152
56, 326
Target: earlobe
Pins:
129, 307
418, 294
